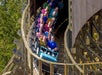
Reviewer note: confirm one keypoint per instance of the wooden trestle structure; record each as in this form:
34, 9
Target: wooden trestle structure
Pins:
82, 42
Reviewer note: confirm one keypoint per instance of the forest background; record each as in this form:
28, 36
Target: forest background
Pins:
10, 14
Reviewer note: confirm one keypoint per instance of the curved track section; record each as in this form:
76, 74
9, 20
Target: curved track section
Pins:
87, 46
30, 54
68, 51
34, 63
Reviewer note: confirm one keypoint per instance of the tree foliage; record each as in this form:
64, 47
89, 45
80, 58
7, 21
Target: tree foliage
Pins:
10, 13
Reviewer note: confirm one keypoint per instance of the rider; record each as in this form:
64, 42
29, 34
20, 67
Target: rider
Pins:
53, 13
51, 44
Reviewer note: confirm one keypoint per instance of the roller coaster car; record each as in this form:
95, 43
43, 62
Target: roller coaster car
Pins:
47, 54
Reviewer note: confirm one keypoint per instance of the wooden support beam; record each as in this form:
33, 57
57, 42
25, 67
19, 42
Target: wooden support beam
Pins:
32, 65
40, 67
83, 69
51, 69
65, 70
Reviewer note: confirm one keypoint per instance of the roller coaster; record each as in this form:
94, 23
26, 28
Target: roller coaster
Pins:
77, 35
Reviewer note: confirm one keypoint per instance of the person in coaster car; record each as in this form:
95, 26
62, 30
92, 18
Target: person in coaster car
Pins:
53, 13
53, 3
52, 45
41, 38
47, 29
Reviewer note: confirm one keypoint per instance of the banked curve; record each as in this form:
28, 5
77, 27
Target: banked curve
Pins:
34, 55
26, 43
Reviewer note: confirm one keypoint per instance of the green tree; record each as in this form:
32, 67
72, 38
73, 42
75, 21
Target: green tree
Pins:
10, 13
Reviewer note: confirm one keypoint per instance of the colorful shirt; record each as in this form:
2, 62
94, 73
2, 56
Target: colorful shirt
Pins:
46, 28
45, 19
46, 5
51, 14
51, 44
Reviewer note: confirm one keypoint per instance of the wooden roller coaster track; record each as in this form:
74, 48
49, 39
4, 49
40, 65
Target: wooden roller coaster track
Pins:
30, 56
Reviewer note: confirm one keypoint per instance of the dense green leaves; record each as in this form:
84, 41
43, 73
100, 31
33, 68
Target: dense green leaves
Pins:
10, 13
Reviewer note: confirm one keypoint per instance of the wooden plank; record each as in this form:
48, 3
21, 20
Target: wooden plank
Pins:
51, 69
40, 67
65, 69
